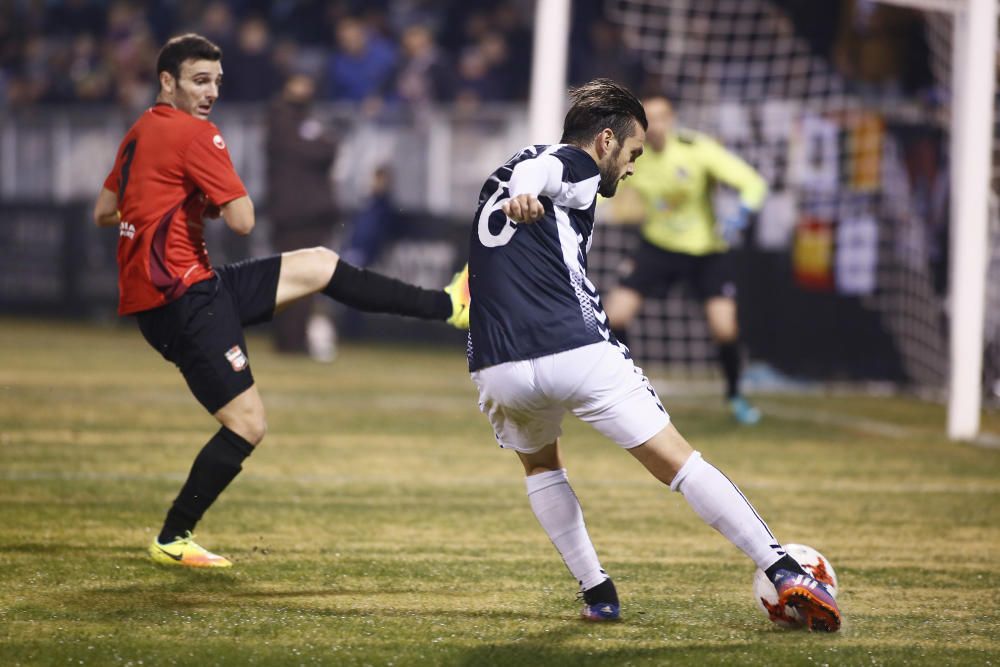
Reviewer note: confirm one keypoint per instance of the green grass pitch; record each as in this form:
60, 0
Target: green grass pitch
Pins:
379, 524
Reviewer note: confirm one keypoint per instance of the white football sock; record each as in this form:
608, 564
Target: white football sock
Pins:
558, 510
723, 506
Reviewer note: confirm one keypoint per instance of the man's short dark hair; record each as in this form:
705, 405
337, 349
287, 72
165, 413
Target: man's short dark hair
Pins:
599, 104
185, 47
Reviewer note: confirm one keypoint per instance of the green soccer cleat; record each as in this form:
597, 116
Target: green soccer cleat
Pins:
184, 551
458, 290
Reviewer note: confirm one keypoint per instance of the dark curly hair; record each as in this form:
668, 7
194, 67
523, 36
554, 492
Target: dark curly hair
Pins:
185, 47
600, 104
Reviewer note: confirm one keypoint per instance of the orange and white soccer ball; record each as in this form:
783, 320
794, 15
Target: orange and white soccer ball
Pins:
766, 597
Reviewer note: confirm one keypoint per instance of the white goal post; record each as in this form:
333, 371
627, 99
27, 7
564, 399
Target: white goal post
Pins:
547, 101
973, 73
974, 43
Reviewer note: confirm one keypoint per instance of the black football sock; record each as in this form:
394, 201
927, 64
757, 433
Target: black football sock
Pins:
374, 293
729, 357
214, 468
602, 592
621, 334
786, 562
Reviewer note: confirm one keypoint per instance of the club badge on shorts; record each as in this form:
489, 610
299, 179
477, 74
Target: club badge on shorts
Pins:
236, 358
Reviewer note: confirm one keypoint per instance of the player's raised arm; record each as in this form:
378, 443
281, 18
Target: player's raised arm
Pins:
731, 169
106, 209
239, 215
530, 179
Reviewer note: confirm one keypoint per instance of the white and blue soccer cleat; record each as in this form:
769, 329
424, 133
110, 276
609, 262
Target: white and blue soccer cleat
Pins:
601, 611
600, 603
811, 598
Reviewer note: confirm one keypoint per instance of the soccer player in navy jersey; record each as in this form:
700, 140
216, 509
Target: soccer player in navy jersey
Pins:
171, 172
540, 345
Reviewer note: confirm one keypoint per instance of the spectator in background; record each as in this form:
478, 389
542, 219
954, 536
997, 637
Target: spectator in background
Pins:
484, 73
32, 81
218, 24
511, 21
300, 152
375, 222
253, 75
60, 88
130, 50
361, 65
88, 72
423, 77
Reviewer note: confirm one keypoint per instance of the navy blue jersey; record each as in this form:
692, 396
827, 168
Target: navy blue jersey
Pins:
530, 292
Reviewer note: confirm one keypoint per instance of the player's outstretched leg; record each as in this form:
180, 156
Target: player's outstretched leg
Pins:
558, 511
312, 270
721, 504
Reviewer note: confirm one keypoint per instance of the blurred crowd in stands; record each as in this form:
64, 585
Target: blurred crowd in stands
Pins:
381, 54
375, 53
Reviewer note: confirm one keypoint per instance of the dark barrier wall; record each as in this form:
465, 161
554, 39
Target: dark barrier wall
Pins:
810, 334
54, 262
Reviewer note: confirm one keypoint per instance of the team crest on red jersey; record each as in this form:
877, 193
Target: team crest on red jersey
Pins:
236, 358
219, 142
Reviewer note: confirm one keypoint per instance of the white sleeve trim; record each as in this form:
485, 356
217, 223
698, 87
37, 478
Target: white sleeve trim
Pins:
540, 176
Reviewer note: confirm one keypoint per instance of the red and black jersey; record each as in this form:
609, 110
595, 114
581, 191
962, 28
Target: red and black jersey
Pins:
169, 166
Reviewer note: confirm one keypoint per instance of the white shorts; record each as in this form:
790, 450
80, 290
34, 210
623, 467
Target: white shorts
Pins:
526, 400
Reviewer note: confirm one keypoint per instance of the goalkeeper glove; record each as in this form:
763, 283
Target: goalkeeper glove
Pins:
733, 225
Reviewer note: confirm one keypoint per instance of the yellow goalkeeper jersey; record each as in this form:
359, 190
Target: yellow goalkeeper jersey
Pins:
676, 185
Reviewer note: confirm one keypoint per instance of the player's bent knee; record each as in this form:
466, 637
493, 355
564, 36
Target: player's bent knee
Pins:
324, 256
664, 454
252, 430
250, 424
323, 262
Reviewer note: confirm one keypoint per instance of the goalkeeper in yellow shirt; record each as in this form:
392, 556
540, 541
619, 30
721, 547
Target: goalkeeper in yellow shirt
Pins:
683, 241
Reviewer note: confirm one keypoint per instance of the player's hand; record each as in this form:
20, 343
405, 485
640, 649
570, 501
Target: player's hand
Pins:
733, 225
523, 208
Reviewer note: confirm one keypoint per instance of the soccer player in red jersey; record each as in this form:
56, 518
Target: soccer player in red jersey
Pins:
173, 171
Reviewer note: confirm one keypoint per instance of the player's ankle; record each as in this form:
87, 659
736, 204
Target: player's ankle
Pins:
602, 592
786, 562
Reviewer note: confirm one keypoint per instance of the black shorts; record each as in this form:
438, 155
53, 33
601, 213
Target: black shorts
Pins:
652, 271
202, 331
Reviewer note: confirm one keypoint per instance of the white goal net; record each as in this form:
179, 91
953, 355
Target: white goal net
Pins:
855, 230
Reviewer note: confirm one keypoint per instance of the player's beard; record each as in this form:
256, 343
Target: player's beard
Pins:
608, 185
